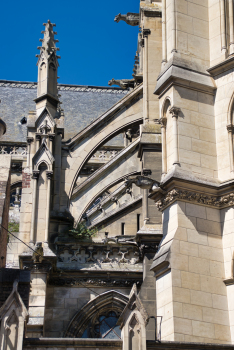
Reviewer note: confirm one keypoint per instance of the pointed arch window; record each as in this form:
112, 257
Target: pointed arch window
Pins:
106, 326
98, 318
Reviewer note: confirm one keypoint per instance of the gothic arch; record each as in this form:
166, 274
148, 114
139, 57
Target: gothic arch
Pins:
165, 105
230, 110
43, 156
106, 188
230, 131
125, 113
111, 300
101, 138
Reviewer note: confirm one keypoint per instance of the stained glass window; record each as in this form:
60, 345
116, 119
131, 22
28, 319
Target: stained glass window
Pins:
107, 328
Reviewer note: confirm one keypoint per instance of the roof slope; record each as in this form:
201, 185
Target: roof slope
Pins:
81, 105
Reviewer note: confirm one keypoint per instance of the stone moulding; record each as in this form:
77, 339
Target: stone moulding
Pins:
63, 343
111, 300
94, 282
64, 87
221, 67
214, 201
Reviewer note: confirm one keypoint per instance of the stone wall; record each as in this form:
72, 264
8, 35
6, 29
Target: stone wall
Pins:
7, 278
191, 296
5, 167
62, 303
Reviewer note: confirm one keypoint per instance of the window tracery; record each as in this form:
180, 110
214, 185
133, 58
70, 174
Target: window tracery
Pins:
104, 326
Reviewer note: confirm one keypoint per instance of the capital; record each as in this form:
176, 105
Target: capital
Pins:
49, 174
142, 42
147, 172
29, 140
38, 137
51, 137
146, 32
230, 128
174, 111
35, 174
163, 122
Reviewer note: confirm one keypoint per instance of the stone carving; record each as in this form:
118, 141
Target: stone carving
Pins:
147, 248
130, 18
48, 42
102, 255
107, 282
105, 155
102, 155
195, 197
123, 83
174, 111
19, 150
146, 32
16, 167
143, 182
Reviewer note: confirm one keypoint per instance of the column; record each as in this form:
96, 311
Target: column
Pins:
173, 29
49, 175
29, 141
230, 129
35, 176
223, 26
230, 2
146, 32
38, 140
57, 170
145, 206
164, 33
174, 111
51, 139
163, 122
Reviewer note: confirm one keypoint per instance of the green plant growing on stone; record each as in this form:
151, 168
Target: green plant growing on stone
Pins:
13, 226
81, 231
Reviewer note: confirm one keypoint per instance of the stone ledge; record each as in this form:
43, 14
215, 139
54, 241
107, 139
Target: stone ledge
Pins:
166, 345
222, 66
64, 87
184, 77
78, 342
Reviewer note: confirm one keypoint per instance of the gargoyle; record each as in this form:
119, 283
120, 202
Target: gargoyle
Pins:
123, 83
120, 240
130, 18
38, 253
143, 182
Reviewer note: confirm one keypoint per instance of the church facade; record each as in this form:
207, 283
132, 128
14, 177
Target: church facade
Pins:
120, 200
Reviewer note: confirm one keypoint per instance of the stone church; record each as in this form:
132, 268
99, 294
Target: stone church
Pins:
117, 203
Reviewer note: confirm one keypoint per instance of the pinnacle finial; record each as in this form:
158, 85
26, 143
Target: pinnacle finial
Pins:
49, 42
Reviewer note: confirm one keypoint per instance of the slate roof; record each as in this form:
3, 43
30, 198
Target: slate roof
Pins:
81, 105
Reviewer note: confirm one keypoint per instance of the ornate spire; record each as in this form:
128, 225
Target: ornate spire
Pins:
48, 42
47, 65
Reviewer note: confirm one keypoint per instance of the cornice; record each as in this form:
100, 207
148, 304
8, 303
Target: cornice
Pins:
64, 87
222, 66
195, 197
181, 72
219, 196
181, 76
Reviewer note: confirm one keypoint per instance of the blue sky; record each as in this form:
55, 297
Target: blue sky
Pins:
93, 48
